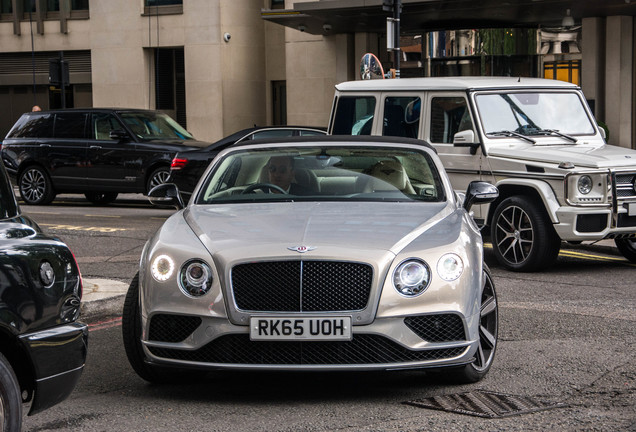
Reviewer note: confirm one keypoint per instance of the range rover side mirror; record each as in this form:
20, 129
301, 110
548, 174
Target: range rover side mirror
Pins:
466, 138
479, 192
166, 194
118, 134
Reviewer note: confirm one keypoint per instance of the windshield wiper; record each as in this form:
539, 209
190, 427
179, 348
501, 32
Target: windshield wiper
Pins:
554, 132
512, 134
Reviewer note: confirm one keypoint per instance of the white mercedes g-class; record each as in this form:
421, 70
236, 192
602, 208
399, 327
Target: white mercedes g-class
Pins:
535, 139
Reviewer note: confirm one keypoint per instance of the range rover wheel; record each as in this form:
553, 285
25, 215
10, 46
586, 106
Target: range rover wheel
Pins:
35, 186
522, 235
488, 330
157, 177
131, 332
627, 247
101, 198
10, 398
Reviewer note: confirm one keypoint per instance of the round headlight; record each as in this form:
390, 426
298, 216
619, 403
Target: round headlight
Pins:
195, 278
411, 278
585, 184
162, 268
450, 267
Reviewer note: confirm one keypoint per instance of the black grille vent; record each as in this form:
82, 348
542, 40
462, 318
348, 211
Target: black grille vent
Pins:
591, 222
437, 328
172, 328
302, 286
625, 185
362, 349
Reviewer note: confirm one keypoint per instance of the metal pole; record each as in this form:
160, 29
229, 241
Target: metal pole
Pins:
397, 8
62, 79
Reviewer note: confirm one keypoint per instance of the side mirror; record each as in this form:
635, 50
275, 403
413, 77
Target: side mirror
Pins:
480, 192
117, 134
166, 194
466, 138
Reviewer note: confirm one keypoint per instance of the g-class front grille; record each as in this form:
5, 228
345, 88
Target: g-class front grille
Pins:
301, 286
625, 187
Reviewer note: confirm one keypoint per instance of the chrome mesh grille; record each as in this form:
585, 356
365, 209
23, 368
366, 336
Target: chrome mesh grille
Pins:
301, 286
437, 328
362, 349
172, 328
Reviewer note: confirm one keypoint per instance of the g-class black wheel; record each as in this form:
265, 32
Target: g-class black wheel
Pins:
522, 235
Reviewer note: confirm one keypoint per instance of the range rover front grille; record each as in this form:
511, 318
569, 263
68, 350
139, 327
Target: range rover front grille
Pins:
362, 349
301, 286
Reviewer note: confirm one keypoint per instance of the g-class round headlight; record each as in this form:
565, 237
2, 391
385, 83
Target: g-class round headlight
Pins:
195, 278
585, 184
411, 278
450, 267
162, 268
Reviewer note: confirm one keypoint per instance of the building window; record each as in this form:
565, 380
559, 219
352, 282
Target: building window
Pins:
278, 4
170, 83
163, 7
6, 7
163, 2
568, 71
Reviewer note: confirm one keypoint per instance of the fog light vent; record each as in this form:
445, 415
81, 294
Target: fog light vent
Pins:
481, 403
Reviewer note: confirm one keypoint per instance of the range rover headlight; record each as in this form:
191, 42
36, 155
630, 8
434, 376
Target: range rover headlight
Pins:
411, 278
450, 267
585, 184
162, 268
195, 278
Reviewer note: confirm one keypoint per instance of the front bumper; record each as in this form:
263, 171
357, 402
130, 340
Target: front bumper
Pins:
57, 356
386, 344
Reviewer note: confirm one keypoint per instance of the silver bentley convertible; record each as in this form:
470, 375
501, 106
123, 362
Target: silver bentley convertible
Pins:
326, 253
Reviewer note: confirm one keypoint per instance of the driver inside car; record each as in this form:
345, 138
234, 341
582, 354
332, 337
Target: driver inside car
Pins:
281, 173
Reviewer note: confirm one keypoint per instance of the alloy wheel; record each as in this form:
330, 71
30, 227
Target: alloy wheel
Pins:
514, 234
33, 185
158, 178
488, 325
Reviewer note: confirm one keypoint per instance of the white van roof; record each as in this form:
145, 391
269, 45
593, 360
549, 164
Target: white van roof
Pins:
453, 83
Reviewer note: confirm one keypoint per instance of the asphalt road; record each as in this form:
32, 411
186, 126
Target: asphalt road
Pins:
567, 336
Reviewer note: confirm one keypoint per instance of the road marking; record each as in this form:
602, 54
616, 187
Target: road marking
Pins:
103, 325
83, 228
585, 256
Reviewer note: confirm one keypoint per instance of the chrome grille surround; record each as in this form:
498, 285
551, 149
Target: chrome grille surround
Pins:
301, 286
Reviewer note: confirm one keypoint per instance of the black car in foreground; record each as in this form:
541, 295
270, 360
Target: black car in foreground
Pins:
188, 166
97, 152
42, 346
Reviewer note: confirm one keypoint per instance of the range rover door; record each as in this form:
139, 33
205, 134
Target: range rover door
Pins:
109, 160
65, 153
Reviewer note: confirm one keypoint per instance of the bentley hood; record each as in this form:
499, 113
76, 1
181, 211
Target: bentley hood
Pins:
322, 229
581, 155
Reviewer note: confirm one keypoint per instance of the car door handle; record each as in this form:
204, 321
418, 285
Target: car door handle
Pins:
95, 147
45, 145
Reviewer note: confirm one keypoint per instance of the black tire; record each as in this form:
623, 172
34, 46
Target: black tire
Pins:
131, 333
35, 186
522, 235
10, 398
627, 247
157, 177
101, 198
488, 333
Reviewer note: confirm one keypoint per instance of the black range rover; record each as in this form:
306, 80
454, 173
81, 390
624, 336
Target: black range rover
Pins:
42, 346
97, 152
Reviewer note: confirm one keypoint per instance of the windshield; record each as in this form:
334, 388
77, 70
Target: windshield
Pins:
323, 174
152, 126
533, 113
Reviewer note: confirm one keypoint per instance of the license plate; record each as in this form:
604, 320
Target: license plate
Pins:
631, 209
296, 328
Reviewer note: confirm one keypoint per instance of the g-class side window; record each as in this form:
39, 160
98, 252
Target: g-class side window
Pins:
449, 115
33, 126
402, 116
354, 115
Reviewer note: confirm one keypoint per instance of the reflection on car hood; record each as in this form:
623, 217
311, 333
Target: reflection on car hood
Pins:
581, 155
269, 229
